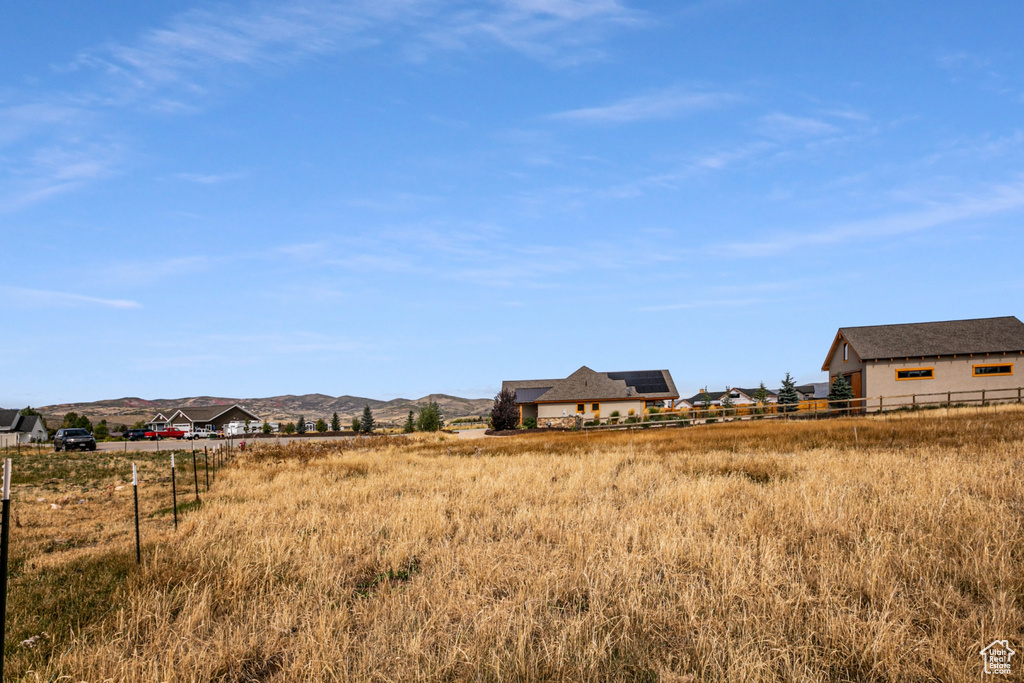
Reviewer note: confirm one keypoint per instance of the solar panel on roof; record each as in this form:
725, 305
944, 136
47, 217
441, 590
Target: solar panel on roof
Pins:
643, 381
530, 395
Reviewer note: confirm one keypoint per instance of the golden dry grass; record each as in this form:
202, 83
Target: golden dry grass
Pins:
733, 552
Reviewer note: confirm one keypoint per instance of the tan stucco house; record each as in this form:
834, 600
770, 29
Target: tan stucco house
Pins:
591, 395
953, 361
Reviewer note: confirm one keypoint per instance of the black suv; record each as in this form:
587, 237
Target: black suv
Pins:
135, 434
66, 439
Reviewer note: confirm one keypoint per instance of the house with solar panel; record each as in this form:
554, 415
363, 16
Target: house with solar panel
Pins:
939, 362
591, 395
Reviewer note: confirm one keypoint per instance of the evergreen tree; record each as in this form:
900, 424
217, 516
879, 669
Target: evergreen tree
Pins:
102, 430
70, 420
366, 421
504, 413
84, 423
430, 418
300, 426
289, 428
410, 424
761, 398
321, 426
839, 394
789, 399
335, 423
355, 425
266, 427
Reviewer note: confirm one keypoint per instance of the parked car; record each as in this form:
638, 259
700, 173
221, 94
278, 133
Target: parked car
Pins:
168, 433
135, 434
76, 437
201, 434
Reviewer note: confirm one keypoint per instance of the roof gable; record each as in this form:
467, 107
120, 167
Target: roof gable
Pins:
587, 385
9, 419
946, 338
208, 413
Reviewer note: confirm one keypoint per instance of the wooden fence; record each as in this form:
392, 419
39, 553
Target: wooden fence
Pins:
813, 408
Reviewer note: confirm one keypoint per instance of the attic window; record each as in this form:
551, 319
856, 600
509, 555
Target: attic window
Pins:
915, 373
993, 370
846, 352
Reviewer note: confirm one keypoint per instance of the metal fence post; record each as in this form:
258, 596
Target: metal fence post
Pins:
174, 493
135, 491
195, 474
4, 535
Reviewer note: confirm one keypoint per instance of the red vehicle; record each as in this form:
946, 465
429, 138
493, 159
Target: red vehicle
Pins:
165, 434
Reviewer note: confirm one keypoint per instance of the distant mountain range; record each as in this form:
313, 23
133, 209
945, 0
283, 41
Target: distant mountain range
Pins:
276, 408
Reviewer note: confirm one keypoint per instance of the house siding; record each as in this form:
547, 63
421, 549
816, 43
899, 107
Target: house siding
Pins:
952, 375
551, 411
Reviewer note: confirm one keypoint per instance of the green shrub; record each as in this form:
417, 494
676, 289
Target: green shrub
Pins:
530, 423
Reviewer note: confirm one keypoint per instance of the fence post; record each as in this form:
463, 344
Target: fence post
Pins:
4, 535
206, 470
195, 474
174, 493
135, 491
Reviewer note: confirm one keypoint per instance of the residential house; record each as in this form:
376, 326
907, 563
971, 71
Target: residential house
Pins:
937, 362
739, 397
214, 418
18, 428
591, 395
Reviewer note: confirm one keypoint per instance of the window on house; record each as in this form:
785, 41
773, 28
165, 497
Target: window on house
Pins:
916, 373
846, 352
993, 370
595, 407
580, 408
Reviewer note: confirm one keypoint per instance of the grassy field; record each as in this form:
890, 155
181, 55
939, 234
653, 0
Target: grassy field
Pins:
732, 552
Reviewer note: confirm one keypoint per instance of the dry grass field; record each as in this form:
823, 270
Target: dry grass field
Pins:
755, 551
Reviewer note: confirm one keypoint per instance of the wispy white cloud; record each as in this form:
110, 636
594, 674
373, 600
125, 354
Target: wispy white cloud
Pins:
52, 170
211, 178
22, 297
29, 119
183, 59
665, 104
998, 199
785, 126
201, 54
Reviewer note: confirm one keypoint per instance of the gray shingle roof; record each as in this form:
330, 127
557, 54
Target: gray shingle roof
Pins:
717, 395
8, 419
208, 413
586, 385
981, 335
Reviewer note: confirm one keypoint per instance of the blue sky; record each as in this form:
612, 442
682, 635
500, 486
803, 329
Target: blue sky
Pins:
396, 197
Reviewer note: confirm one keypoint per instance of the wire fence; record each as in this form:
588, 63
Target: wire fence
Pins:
810, 408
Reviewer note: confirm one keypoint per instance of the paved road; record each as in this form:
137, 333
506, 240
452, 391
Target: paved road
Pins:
211, 444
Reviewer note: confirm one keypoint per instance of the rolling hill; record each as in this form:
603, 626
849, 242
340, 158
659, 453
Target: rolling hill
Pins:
275, 408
